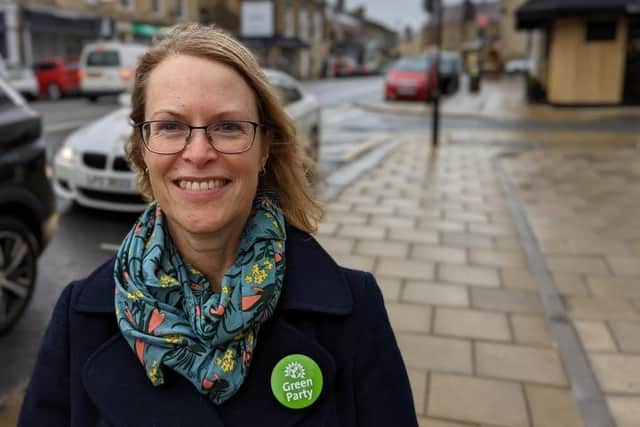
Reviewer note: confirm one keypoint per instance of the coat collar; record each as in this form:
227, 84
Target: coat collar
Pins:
313, 281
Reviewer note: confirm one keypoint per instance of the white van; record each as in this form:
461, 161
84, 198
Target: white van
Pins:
107, 68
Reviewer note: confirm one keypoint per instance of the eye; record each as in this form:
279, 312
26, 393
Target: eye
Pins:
227, 127
168, 127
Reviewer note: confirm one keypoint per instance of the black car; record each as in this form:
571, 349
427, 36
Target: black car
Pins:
27, 204
450, 71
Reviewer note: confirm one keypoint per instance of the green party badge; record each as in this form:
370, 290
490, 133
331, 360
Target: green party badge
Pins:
296, 381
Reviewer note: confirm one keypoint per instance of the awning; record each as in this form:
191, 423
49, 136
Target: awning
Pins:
60, 21
536, 13
275, 41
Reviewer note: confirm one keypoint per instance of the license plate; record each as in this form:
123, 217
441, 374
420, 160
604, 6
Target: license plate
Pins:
94, 74
108, 183
406, 90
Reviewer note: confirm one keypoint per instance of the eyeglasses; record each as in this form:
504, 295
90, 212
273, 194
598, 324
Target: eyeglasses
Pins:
171, 137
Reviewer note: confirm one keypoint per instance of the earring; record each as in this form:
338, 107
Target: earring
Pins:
263, 171
146, 171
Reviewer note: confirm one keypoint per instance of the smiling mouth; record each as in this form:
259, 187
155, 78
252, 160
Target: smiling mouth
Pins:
206, 185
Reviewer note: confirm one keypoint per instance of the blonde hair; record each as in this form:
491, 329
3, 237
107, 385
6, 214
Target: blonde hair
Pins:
285, 168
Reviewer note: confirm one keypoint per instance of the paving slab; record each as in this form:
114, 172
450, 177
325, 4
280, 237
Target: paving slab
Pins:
552, 407
463, 398
472, 324
431, 353
531, 330
617, 373
627, 335
435, 293
595, 335
519, 363
626, 410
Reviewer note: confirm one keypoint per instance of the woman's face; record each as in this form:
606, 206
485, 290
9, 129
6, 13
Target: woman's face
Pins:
199, 92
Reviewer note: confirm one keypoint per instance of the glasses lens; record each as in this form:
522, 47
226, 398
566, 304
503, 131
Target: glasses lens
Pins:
231, 136
165, 136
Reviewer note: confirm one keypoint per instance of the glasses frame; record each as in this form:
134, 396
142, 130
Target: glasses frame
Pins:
204, 128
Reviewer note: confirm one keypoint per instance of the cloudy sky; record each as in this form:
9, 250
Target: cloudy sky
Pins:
395, 13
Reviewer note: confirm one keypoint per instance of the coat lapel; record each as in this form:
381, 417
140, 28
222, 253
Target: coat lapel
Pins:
120, 389
123, 394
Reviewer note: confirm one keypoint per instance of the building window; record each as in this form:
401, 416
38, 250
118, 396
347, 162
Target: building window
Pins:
156, 7
181, 11
318, 30
289, 21
126, 4
303, 24
601, 31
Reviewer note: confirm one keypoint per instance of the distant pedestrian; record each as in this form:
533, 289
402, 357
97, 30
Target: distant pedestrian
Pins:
219, 307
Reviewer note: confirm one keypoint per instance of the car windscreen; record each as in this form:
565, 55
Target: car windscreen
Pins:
44, 66
412, 64
103, 58
448, 64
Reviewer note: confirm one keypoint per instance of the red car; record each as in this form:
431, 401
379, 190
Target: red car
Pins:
57, 77
407, 79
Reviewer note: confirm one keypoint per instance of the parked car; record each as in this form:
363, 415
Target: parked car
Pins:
407, 79
107, 68
57, 77
91, 168
23, 80
518, 66
345, 66
450, 70
27, 209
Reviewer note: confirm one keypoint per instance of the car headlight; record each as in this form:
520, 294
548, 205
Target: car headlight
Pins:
67, 155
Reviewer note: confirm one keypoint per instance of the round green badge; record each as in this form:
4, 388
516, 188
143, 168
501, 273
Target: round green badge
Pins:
296, 381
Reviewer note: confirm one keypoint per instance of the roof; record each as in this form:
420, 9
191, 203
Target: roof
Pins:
536, 13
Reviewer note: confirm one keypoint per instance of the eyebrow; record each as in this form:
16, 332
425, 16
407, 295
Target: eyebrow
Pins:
229, 115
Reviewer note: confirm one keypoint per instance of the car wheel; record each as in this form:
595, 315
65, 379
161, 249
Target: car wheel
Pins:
18, 267
53, 92
93, 99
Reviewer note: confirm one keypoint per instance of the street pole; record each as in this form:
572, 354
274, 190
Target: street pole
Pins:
436, 92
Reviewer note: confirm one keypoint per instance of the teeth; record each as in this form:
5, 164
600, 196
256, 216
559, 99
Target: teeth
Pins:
202, 185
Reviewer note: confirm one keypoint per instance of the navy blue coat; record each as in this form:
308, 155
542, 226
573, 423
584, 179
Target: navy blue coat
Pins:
87, 375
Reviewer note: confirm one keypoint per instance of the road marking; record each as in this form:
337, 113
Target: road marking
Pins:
109, 247
365, 147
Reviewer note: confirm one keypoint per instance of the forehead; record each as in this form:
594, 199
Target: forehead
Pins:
198, 86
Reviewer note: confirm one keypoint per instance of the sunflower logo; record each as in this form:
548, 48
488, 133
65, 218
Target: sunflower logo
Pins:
294, 370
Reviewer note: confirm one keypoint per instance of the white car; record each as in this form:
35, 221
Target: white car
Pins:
518, 66
91, 169
23, 80
107, 68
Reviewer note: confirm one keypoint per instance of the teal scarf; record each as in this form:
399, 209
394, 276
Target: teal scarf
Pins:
170, 316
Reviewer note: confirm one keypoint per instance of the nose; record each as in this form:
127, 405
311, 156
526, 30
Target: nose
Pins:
199, 149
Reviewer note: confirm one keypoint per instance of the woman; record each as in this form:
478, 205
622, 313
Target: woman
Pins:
219, 307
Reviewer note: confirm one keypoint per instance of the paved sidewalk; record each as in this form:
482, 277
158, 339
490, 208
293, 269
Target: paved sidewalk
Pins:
438, 231
502, 99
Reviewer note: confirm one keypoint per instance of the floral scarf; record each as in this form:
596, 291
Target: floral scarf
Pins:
171, 317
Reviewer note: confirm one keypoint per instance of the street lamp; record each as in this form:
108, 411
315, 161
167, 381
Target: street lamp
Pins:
431, 6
